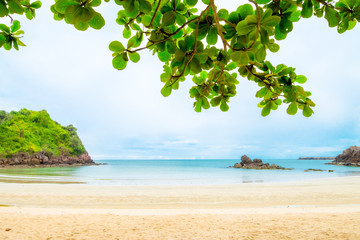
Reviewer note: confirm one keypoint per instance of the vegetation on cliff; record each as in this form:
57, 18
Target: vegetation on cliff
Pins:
34, 131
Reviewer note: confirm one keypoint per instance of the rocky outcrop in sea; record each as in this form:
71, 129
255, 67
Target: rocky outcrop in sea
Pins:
349, 157
247, 163
43, 159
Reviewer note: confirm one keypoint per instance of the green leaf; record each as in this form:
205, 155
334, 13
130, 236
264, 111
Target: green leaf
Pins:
171, 47
62, 5
266, 110
15, 26
285, 26
307, 111
81, 26
278, 34
271, 21
245, 10
292, 109
224, 106
94, 3
119, 63
252, 20
97, 22
146, 20
261, 54
134, 57
127, 32
300, 79
36, 5
191, 3
241, 57
3, 9
5, 28
169, 18
165, 77
29, 13
273, 47
295, 16
2, 39
215, 101
332, 16
145, 6
164, 56
205, 103
76, 13
223, 13
198, 105
116, 46
261, 93
195, 66
166, 90
212, 36
307, 9
16, 46
243, 28
15, 6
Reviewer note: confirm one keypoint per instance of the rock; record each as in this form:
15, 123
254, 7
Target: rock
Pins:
349, 157
258, 161
237, 165
315, 170
246, 160
247, 163
42, 159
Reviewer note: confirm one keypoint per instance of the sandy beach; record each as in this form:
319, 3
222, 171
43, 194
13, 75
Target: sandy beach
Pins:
319, 209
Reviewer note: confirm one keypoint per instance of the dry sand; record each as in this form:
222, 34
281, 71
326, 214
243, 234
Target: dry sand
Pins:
320, 209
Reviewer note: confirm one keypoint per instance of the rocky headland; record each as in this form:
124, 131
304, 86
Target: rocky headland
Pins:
32, 139
349, 157
247, 163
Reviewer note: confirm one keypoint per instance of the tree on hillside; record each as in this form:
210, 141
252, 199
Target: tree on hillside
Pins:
196, 38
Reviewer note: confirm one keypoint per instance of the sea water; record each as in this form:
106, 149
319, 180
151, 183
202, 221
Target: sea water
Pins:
179, 172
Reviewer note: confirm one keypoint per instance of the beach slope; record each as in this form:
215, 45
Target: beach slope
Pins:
319, 209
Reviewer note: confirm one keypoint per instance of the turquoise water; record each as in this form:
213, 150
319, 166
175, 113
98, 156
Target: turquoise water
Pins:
179, 172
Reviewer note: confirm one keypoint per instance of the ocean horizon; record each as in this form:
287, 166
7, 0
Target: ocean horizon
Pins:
177, 172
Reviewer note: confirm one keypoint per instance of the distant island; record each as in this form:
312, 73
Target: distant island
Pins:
316, 158
32, 138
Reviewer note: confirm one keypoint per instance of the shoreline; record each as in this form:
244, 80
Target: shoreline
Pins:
317, 209
319, 192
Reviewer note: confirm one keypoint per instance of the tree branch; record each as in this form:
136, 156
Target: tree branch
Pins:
216, 18
153, 17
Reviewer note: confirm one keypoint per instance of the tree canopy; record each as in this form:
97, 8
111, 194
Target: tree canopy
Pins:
215, 46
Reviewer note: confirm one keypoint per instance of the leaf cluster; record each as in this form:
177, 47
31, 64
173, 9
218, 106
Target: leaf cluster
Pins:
79, 13
34, 131
10, 35
187, 42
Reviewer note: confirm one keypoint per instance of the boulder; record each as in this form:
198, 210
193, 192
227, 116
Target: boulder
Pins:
258, 161
349, 157
246, 160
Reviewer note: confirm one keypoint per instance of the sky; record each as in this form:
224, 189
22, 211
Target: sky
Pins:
122, 115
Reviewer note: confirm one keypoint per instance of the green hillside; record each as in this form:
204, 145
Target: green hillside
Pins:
34, 131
